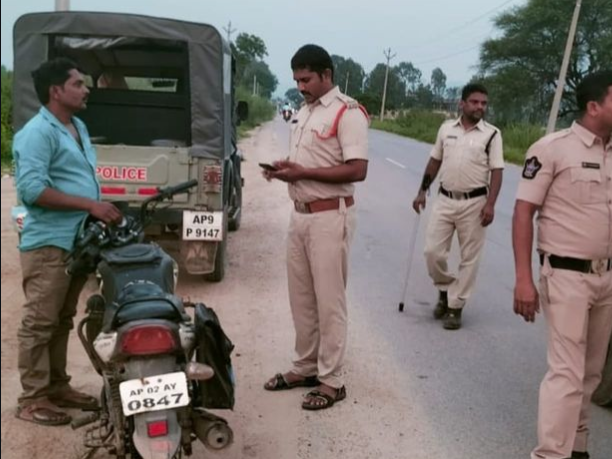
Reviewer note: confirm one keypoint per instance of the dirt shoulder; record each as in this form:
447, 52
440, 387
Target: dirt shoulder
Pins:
375, 421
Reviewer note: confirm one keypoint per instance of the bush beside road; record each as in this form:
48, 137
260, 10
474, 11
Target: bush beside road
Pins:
423, 125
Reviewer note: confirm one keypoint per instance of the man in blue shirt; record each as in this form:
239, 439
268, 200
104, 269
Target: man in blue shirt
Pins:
56, 180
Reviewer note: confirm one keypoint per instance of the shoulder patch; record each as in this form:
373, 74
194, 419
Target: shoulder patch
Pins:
532, 167
348, 101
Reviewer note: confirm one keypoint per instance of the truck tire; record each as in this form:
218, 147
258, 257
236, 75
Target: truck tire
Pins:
235, 199
603, 394
219, 273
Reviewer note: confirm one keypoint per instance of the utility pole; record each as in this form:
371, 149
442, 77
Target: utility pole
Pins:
62, 5
254, 85
346, 84
229, 31
388, 55
554, 111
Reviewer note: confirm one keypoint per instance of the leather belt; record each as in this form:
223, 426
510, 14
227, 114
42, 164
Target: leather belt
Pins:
321, 205
577, 264
482, 191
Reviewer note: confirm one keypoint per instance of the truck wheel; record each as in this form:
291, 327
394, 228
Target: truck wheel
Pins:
235, 208
603, 394
235, 200
219, 273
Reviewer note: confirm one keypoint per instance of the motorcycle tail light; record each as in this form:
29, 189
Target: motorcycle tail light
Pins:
157, 428
147, 340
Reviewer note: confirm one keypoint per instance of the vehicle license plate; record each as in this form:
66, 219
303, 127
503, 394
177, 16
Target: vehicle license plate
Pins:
202, 226
155, 393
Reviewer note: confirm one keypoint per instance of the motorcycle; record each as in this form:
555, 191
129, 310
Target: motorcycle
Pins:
161, 370
286, 115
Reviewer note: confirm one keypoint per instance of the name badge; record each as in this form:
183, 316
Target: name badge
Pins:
591, 165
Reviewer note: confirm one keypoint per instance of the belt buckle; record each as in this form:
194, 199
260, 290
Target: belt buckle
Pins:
599, 266
301, 207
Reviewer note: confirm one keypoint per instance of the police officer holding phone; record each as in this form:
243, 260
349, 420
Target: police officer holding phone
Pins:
328, 153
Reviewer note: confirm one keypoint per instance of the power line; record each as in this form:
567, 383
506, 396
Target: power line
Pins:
438, 38
457, 53
483, 15
448, 56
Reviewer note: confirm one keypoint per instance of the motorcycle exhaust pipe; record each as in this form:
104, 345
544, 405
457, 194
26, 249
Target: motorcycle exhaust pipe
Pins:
214, 434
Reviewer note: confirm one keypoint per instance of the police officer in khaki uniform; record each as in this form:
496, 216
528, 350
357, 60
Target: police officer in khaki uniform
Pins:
328, 152
567, 179
468, 153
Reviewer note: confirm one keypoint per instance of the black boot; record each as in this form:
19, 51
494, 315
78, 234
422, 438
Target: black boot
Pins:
452, 320
580, 455
442, 306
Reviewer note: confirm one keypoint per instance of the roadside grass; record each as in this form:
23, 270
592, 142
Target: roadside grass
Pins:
423, 126
260, 111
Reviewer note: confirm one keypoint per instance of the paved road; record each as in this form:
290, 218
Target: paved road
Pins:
414, 390
478, 386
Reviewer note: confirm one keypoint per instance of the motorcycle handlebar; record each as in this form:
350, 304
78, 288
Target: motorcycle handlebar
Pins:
180, 188
165, 193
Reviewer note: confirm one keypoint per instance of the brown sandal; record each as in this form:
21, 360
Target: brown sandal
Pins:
42, 414
278, 382
315, 397
72, 398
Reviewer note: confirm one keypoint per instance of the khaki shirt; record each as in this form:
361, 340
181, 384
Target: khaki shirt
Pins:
465, 164
569, 174
312, 151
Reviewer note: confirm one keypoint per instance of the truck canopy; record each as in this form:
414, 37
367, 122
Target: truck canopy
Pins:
153, 81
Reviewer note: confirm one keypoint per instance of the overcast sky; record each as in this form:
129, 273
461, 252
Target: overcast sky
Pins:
429, 33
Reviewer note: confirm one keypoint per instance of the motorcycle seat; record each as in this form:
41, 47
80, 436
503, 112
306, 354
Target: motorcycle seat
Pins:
141, 301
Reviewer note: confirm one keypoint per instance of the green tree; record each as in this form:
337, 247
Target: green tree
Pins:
410, 75
247, 50
453, 93
251, 46
438, 84
371, 102
266, 80
396, 90
294, 96
424, 97
521, 66
348, 75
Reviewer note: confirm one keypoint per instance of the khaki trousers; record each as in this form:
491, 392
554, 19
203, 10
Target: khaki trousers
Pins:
317, 269
578, 310
447, 216
50, 306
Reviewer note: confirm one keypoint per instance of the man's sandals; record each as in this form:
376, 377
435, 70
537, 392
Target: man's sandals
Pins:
44, 413
318, 400
278, 382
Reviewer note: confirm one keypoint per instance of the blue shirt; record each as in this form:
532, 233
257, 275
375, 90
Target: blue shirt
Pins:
48, 156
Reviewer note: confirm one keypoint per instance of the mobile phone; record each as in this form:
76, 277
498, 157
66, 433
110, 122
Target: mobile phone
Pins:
266, 166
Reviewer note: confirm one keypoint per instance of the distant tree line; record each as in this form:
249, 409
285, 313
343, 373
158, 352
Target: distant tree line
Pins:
520, 67
406, 87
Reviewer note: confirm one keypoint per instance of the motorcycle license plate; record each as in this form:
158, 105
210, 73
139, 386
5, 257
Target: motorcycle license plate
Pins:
202, 226
155, 393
